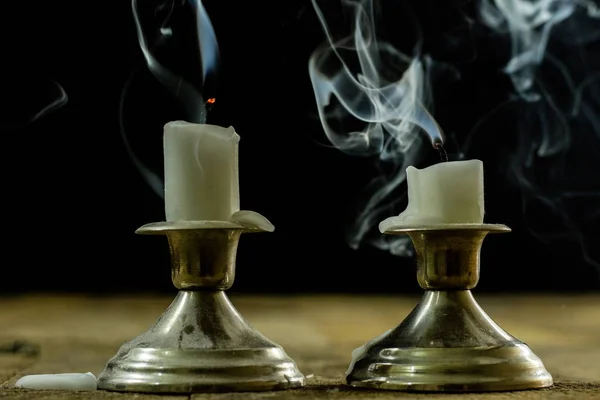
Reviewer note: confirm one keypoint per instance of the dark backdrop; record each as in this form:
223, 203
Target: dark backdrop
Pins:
73, 196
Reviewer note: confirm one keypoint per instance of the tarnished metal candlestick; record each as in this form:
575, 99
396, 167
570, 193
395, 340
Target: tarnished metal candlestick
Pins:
447, 343
201, 343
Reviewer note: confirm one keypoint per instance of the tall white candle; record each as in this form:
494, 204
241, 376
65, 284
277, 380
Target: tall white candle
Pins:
445, 193
201, 172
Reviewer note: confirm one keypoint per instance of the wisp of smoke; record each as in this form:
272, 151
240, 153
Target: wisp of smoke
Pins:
188, 95
32, 100
361, 80
554, 69
60, 100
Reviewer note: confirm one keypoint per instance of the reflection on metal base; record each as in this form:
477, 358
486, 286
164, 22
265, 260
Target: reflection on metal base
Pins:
447, 343
201, 343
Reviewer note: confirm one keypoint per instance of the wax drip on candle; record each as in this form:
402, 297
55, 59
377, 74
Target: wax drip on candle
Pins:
442, 151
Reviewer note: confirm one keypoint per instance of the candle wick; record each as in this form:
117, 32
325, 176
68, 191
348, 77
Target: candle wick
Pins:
209, 104
443, 155
207, 107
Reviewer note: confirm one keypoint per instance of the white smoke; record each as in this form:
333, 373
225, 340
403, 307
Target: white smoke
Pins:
361, 78
555, 106
553, 67
60, 100
163, 34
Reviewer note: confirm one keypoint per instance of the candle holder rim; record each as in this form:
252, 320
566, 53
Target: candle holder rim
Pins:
489, 228
162, 227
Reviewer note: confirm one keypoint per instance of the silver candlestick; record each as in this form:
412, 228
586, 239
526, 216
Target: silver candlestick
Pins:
447, 343
201, 343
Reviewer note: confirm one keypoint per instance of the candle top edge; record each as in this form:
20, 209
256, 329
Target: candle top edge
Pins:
449, 164
182, 123
184, 127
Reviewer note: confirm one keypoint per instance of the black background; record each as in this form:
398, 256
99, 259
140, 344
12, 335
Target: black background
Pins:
73, 198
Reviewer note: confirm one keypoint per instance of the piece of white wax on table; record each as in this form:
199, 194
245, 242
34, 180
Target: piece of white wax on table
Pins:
444, 193
201, 172
70, 381
252, 220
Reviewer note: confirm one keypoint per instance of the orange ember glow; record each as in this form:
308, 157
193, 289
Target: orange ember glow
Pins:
211, 100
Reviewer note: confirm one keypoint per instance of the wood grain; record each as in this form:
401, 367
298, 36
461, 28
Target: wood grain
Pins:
80, 333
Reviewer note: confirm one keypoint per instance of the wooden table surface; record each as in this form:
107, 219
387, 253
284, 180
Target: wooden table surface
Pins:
80, 333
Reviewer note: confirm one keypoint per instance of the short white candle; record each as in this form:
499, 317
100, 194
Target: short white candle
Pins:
444, 193
68, 381
201, 172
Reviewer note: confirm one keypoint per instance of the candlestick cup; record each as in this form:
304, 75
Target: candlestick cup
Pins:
447, 343
201, 343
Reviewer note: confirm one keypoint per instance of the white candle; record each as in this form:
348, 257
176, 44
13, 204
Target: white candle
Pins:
69, 381
445, 193
201, 172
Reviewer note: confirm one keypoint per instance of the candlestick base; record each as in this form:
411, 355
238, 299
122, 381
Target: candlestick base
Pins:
447, 343
201, 343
